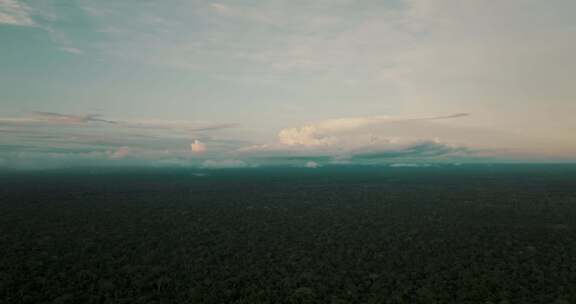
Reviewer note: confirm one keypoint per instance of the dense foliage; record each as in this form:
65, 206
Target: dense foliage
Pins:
467, 234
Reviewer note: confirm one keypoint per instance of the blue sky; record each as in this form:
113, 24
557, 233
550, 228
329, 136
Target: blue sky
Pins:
305, 83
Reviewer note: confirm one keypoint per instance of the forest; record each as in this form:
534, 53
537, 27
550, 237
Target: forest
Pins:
349, 234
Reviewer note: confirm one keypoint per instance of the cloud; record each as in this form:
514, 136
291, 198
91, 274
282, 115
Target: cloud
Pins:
141, 141
198, 147
216, 127
183, 125
487, 57
407, 149
122, 152
412, 149
358, 139
222, 164
53, 118
494, 57
322, 132
310, 135
14, 12
312, 165
68, 118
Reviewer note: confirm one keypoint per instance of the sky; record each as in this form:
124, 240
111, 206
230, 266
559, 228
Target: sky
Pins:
220, 84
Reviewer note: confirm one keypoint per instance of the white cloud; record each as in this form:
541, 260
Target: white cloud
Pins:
14, 12
198, 147
324, 132
368, 138
221, 164
310, 135
312, 165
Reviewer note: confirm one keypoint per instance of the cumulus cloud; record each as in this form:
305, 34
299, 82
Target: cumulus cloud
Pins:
357, 139
14, 12
122, 152
322, 132
307, 135
198, 147
222, 164
312, 165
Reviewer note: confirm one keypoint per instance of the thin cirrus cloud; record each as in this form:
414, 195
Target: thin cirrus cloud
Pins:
53, 118
67, 118
14, 12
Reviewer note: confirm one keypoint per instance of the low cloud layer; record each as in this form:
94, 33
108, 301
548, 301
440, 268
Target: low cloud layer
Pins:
47, 139
358, 140
326, 132
224, 164
50, 139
